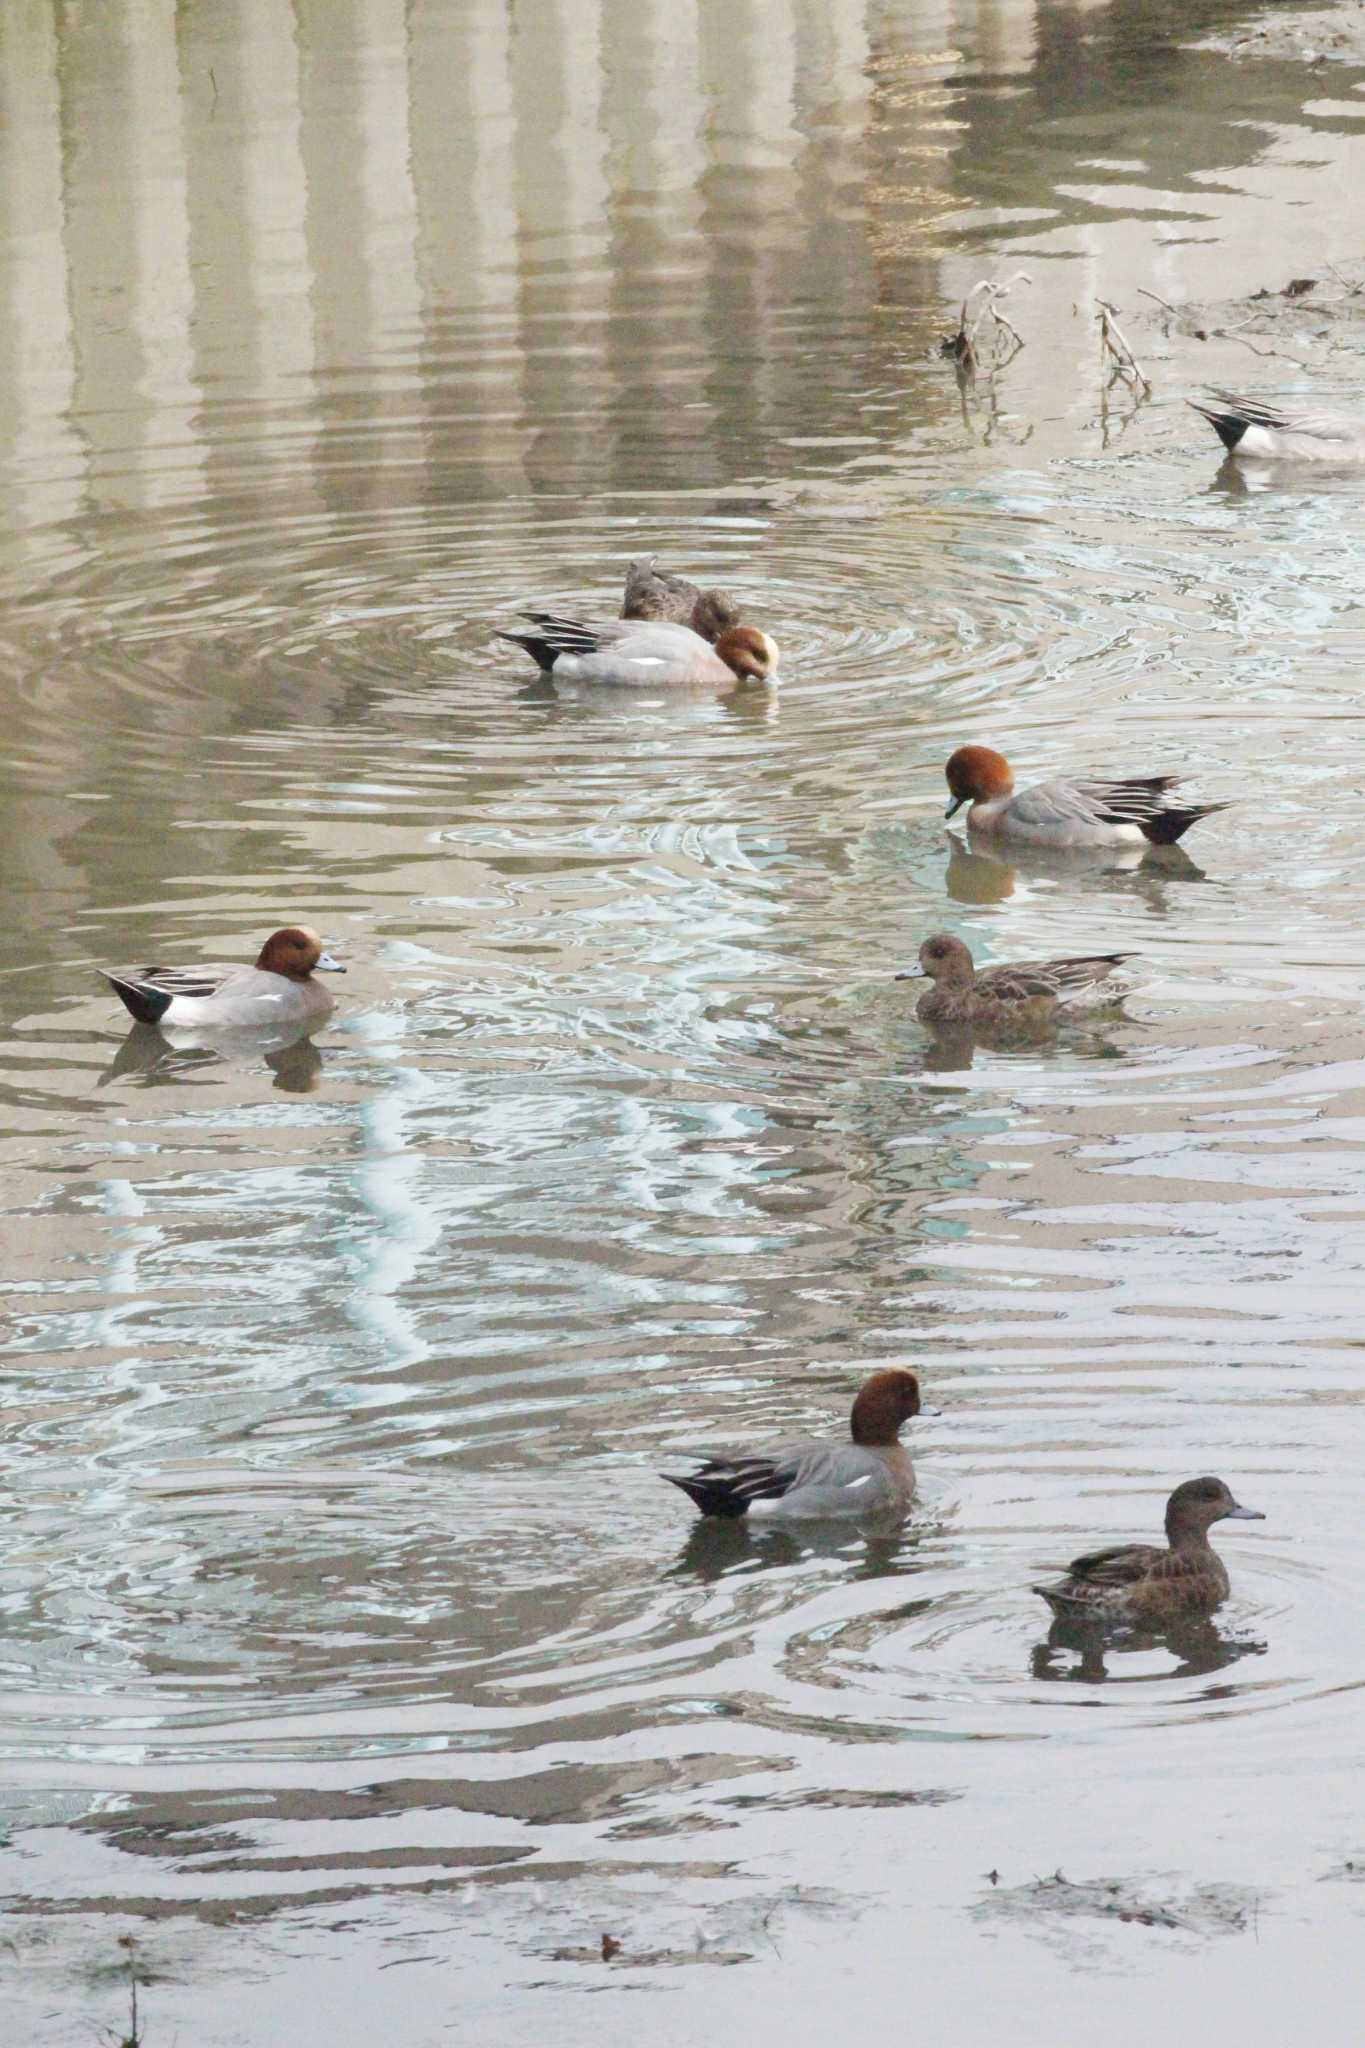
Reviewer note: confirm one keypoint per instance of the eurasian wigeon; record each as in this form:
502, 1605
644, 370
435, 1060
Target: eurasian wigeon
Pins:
1140, 1581
1023, 994
650, 594
626, 652
1270, 433
279, 989
871, 1476
1066, 814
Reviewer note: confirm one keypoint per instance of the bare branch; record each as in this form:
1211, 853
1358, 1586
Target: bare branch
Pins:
1113, 343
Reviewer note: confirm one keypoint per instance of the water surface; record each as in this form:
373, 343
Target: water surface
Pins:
346, 1623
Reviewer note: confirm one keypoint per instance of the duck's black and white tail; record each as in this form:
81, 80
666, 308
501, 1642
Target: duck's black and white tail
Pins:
729, 1486
554, 635
141, 999
1228, 425
712, 1496
1166, 827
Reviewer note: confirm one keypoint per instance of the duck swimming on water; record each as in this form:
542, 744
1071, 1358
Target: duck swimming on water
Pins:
1020, 995
1063, 814
870, 1476
1140, 1581
1271, 433
640, 655
279, 989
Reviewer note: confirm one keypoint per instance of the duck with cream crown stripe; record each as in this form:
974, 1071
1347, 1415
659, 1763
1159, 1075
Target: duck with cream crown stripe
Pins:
628, 653
279, 989
1131, 811
870, 1476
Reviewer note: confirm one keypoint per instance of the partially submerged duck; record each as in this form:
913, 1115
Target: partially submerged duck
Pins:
651, 594
1271, 433
627, 653
1130, 812
279, 989
1141, 1582
870, 1476
1023, 994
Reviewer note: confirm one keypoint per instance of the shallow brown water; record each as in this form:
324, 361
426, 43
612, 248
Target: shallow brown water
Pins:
346, 1623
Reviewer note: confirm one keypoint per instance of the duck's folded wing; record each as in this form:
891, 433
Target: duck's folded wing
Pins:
556, 630
1016, 984
651, 651
1065, 811
1132, 801
759, 1477
148, 992
1121, 1566
727, 1483
177, 981
1025, 978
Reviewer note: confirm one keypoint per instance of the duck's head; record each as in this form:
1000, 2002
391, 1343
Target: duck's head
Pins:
751, 654
884, 1402
943, 958
1196, 1505
977, 775
294, 951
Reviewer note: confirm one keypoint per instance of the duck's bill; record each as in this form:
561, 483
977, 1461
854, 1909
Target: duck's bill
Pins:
327, 965
955, 806
1245, 1515
910, 974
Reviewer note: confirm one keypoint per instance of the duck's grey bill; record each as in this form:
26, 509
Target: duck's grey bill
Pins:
1245, 1515
912, 974
327, 965
955, 806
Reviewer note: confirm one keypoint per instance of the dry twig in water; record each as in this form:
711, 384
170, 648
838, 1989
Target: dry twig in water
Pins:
962, 345
1113, 343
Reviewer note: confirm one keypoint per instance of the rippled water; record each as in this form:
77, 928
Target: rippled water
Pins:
346, 1622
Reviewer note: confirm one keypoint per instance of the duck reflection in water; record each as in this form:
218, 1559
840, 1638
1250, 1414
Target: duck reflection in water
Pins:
163, 1055
976, 874
1080, 1651
877, 1548
952, 1048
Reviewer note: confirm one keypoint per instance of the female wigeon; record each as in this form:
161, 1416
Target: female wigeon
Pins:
1066, 814
650, 594
871, 1476
1022, 994
279, 989
645, 655
1268, 433
1140, 1581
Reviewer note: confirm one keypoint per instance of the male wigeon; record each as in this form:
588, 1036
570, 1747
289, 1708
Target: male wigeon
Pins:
651, 594
1066, 814
1270, 433
279, 989
1022, 994
871, 1476
1140, 1581
645, 655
